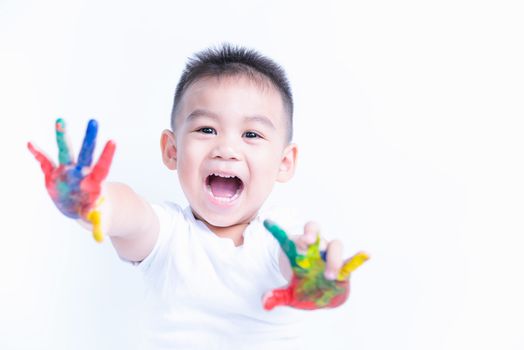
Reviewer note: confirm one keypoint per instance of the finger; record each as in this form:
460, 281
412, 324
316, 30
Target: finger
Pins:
85, 158
351, 265
333, 259
276, 297
101, 169
287, 245
311, 255
45, 163
311, 231
94, 218
64, 154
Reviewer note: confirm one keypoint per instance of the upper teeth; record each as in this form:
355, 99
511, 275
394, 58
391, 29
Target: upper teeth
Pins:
222, 175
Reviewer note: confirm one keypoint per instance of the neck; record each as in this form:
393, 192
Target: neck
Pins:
235, 232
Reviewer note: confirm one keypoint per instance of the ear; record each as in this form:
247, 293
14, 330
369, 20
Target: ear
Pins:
168, 147
288, 163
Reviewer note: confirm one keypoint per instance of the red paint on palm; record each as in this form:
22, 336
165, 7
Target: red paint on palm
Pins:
291, 296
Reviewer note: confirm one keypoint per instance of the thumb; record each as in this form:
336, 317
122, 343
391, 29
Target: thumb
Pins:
311, 230
276, 297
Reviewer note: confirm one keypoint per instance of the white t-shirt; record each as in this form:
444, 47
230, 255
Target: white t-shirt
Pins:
205, 293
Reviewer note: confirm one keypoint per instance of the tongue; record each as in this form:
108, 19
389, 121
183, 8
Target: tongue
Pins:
223, 187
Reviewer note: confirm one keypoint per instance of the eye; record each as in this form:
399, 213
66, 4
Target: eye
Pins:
207, 130
251, 135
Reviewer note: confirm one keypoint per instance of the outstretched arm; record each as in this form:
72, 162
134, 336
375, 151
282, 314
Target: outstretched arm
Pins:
78, 191
132, 224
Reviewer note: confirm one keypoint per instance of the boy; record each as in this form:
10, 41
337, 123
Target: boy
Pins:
206, 266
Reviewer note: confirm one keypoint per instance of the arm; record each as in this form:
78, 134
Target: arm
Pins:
129, 221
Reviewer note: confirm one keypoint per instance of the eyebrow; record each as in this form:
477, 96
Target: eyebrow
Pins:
199, 113
202, 113
261, 119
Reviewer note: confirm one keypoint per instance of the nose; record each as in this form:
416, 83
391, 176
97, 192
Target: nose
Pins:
225, 148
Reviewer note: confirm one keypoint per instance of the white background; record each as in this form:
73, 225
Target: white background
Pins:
409, 123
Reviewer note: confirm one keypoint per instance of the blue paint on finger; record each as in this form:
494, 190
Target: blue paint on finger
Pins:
85, 157
323, 254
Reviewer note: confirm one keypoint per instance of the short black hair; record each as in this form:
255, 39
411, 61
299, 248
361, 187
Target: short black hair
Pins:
230, 60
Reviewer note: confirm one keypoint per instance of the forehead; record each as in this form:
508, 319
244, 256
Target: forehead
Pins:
233, 96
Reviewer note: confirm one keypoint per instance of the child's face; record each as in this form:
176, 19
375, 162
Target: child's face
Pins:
229, 147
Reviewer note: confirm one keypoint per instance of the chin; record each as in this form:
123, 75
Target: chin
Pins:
223, 219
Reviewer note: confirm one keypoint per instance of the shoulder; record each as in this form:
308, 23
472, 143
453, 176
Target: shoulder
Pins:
287, 218
173, 217
175, 224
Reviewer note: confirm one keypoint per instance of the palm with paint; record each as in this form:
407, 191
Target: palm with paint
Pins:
309, 289
75, 187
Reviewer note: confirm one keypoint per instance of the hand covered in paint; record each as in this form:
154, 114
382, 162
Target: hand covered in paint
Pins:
75, 187
320, 278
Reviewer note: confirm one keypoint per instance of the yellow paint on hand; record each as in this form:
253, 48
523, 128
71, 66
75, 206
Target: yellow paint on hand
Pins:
303, 262
312, 253
94, 218
351, 265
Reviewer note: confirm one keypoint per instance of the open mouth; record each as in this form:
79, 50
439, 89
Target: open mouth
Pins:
225, 188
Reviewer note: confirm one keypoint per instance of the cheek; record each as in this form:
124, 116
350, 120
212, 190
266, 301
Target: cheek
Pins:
189, 159
190, 149
265, 166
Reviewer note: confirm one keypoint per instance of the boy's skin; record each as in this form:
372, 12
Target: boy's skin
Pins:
228, 126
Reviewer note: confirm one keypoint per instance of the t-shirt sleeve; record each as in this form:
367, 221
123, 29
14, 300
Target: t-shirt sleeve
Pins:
167, 214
